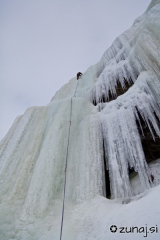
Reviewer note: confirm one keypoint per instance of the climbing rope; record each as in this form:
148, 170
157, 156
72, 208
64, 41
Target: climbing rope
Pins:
70, 123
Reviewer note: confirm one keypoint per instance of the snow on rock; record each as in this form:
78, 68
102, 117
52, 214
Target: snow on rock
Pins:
33, 153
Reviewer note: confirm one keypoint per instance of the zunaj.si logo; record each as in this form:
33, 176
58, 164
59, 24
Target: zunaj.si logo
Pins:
113, 228
145, 230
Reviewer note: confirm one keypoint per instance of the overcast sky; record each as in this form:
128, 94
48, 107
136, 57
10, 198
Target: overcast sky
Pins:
44, 43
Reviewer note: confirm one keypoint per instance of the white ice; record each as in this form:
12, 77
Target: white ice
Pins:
32, 155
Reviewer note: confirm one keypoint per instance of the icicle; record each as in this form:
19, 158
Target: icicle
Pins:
122, 141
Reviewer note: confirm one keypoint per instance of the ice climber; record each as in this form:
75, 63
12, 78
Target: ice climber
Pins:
79, 74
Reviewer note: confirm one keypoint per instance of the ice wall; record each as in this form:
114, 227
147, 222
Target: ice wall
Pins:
133, 60
123, 146
33, 161
32, 155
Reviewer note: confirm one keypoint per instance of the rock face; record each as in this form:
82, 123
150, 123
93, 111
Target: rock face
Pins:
151, 147
114, 131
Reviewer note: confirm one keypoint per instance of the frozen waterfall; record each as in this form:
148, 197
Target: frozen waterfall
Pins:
104, 132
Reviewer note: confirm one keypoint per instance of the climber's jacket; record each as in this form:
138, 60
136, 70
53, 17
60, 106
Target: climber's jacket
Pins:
78, 75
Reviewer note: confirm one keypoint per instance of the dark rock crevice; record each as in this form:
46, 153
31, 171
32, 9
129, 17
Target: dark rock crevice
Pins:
119, 91
150, 146
106, 172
